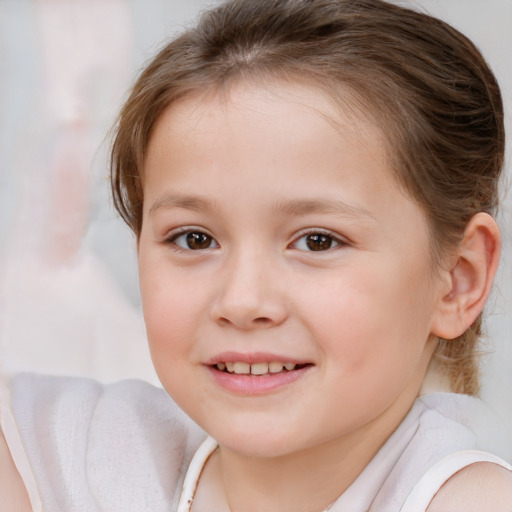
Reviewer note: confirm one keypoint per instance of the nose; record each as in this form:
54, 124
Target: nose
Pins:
249, 296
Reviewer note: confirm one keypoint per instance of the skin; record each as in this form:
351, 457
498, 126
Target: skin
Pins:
481, 486
12, 489
257, 171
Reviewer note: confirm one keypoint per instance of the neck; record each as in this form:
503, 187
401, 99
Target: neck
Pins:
309, 480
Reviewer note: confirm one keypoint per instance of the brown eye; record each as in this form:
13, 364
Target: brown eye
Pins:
319, 242
194, 241
198, 241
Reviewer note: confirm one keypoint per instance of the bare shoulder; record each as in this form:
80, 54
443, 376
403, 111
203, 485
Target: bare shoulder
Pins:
483, 486
12, 489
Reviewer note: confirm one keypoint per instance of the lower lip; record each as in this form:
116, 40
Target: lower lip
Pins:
255, 384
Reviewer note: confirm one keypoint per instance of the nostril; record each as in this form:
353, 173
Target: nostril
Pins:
224, 321
262, 320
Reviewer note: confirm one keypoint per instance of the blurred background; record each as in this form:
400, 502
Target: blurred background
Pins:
69, 299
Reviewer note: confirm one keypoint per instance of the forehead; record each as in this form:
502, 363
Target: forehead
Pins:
272, 113
272, 144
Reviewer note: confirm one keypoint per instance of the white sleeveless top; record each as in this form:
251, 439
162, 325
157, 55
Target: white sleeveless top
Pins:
84, 447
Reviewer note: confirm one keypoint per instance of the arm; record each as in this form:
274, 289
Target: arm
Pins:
482, 486
12, 490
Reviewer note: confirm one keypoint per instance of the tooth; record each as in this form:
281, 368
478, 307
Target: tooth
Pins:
242, 368
230, 366
259, 368
221, 366
289, 366
275, 367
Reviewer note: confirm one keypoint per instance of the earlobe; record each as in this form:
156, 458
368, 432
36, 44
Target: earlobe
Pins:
470, 276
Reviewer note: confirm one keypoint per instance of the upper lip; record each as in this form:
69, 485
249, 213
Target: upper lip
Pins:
253, 357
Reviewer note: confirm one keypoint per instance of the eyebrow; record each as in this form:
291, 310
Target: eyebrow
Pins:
294, 207
187, 202
298, 207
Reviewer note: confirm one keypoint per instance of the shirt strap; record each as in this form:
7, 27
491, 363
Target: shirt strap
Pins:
206, 448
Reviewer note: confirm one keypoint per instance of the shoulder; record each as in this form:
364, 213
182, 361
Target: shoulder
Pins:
12, 489
53, 399
79, 436
44, 407
480, 486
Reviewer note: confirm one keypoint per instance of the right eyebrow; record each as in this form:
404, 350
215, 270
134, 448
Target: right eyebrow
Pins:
187, 202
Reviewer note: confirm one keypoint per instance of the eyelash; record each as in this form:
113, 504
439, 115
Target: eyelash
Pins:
324, 238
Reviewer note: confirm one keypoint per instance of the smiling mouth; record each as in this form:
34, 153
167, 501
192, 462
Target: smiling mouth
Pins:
259, 369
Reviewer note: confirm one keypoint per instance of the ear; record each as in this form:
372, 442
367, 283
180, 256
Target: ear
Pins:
470, 276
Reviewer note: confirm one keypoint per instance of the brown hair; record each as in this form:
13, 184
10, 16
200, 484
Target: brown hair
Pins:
424, 83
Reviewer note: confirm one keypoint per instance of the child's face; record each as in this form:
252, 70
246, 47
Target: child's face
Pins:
272, 236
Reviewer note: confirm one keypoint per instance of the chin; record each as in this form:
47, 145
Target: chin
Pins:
261, 442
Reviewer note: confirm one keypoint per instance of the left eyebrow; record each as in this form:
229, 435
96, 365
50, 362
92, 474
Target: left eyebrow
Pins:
298, 207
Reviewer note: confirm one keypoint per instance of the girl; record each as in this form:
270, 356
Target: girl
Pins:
311, 186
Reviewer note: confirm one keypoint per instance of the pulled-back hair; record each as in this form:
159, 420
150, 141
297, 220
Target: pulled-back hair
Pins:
424, 84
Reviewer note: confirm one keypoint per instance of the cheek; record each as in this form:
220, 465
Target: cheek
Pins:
369, 321
170, 334
169, 308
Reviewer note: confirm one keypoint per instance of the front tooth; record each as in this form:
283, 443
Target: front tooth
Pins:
242, 368
289, 366
259, 368
229, 366
275, 367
